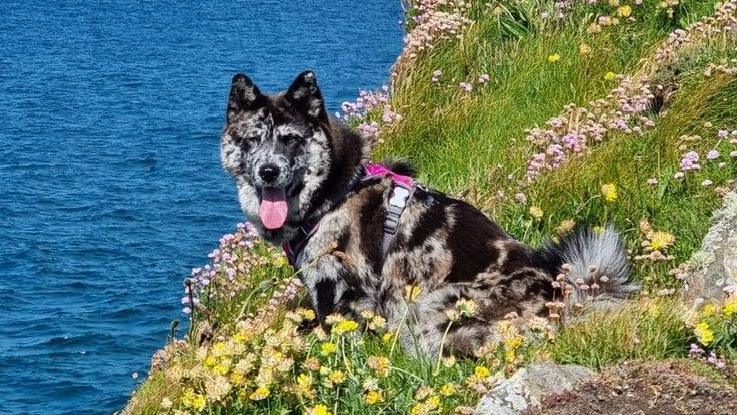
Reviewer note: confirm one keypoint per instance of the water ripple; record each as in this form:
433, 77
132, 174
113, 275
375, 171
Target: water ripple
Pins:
109, 168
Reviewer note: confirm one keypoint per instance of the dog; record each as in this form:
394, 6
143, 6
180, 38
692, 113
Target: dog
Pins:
363, 240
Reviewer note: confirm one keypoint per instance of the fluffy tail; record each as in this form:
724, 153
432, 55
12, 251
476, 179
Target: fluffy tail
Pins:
594, 263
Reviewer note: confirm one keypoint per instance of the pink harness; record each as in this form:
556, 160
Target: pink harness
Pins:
402, 189
378, 170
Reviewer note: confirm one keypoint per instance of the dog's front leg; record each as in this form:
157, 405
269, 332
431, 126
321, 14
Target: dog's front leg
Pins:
325, 280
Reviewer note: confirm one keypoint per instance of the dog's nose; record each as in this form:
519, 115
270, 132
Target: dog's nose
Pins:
268, 172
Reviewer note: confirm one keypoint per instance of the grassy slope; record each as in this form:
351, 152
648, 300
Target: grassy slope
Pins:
467, 143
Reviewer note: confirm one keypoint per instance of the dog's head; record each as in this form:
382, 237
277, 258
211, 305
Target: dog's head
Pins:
277, 148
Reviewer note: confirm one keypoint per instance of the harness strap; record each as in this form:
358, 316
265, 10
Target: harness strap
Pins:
294, 247
401, 192
396, 204
402, 189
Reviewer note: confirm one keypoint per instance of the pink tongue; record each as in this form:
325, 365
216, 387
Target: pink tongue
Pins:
273, 209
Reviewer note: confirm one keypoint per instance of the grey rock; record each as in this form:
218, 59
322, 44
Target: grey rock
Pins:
527, 388
711, 272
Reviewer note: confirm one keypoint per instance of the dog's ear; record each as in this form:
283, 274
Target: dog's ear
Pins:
305, 96
244, 96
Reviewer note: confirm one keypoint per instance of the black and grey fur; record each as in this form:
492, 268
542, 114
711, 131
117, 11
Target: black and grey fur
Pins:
445, 246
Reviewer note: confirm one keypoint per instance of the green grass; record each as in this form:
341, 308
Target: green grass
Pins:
468, 144
651, 330
681, 207
456, 137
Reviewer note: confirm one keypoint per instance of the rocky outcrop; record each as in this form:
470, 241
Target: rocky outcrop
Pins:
527, 388
712, 271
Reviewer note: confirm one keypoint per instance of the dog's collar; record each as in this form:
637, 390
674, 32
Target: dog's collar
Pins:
402, 189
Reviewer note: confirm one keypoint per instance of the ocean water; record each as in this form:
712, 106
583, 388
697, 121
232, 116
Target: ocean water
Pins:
110, 184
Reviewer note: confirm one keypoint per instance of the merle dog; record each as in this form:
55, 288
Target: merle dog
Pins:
302, 182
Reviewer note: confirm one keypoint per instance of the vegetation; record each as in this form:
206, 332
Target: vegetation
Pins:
546, 114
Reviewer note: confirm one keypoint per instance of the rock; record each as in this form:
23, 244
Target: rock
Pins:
712, 271
672, 387
526, 388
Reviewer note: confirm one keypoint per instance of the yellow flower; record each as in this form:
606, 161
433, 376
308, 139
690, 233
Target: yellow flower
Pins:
730, 306
304, 386
584, 49
481, 372
219, 348
660, 240
536, 212
419, 409
609, 191
304, 380
328, 348
237, 378
262, 392
345, 326
373, 397
388, 337
512, 343
306, 314
220, 369
318, 409
210, 361
240, 337
710, 310
423, 408
449, 389
704, 333
337, 377
433, 402
624, 11
411, 292
610, 76
553, 58
193, 400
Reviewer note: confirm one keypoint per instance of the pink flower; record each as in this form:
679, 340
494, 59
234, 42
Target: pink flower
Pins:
712, 154
690, 161
466, 86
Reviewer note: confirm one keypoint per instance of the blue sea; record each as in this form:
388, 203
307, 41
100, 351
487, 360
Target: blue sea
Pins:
110, 183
